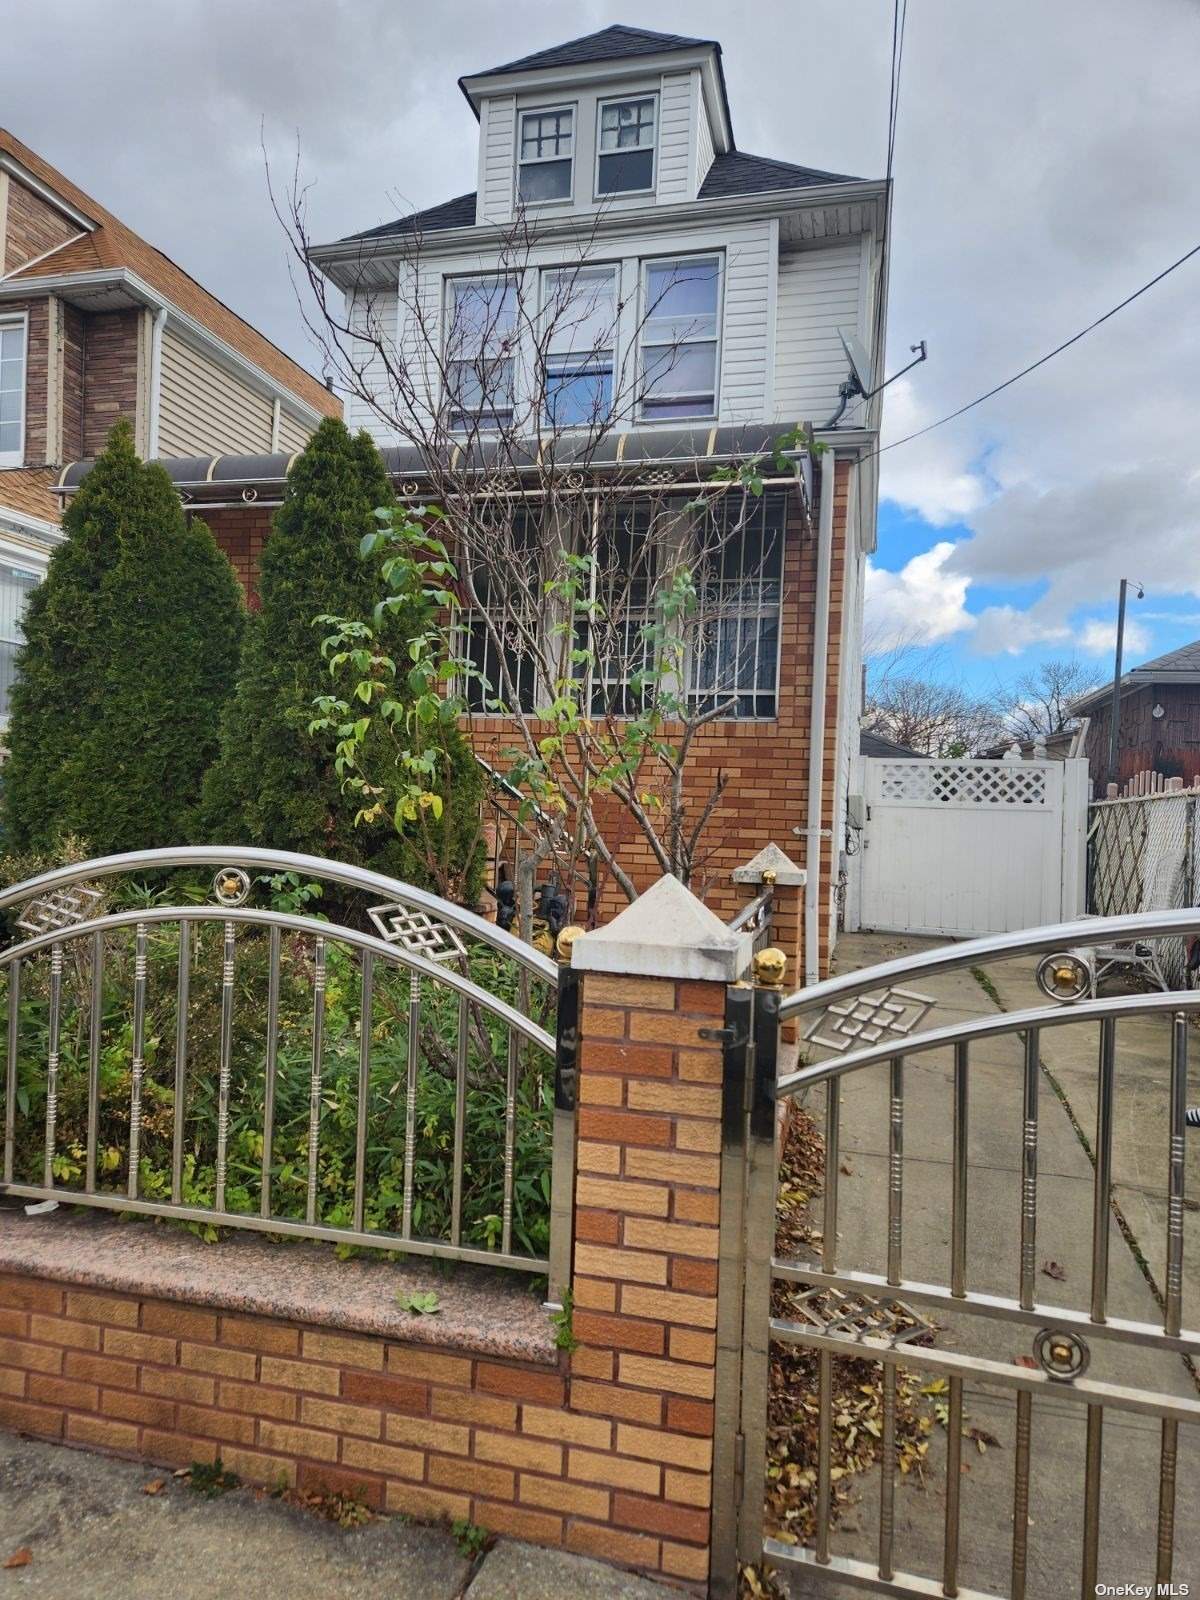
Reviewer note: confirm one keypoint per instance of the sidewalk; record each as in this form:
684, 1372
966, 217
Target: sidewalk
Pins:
91, 1529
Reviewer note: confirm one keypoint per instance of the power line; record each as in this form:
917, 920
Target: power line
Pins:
1042, 360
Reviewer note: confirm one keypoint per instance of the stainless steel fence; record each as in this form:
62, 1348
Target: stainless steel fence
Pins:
756, 917
871, 1027
291, 1040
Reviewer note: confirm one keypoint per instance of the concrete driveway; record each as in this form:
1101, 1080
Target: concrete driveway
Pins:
1065, 1201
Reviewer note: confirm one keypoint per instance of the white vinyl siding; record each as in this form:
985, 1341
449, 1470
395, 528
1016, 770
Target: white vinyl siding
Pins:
704, 142
674, 142
745, 342
376, 315
819, 292
497, 159
204, 409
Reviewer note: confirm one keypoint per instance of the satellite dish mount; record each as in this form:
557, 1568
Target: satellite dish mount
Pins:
859, 385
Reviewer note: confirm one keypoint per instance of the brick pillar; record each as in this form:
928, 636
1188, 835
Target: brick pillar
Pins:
648, 1195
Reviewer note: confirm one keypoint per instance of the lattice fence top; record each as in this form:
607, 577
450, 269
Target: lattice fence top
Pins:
963, 783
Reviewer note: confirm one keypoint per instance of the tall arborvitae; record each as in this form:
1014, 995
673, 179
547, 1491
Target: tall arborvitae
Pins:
131, 644
274, 783
173, 613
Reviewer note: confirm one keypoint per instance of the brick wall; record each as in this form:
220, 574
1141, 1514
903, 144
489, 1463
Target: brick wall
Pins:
73, 335
110, 375
765, 763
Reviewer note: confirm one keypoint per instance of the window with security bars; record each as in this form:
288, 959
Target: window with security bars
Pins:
505, 672
628, 545
733, 647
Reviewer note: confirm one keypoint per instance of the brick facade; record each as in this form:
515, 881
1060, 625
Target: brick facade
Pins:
765, 762
110, 375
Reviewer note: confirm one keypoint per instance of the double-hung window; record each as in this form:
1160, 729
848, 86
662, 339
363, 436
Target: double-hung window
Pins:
481, 337
12, 391
16, 585
579, 311
625, 148
733, 650
546, 155
680, 335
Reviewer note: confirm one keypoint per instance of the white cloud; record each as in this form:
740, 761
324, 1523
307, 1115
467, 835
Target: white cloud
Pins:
1004, 630
927, 476
919, 605
1099, 638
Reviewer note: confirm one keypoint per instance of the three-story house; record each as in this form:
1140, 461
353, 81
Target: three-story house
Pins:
629, 309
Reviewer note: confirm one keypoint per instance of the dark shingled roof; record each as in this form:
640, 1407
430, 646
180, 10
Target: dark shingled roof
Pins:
731, 174
610, 44
1177, 666
740, 173
874, 744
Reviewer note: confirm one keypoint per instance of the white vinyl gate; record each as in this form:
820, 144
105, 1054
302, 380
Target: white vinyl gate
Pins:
972, 847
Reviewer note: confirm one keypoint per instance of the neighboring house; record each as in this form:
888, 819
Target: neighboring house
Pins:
874, 744
1159, 727
96, 324
621, 145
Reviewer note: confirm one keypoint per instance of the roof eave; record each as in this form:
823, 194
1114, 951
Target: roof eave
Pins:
384, 246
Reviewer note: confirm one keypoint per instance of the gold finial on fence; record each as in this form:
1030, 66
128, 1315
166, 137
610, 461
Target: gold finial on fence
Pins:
769, 876
566, 939
770, 965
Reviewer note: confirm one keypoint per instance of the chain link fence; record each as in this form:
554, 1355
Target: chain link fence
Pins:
1144, 855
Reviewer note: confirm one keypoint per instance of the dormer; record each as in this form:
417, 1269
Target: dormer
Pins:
620, 120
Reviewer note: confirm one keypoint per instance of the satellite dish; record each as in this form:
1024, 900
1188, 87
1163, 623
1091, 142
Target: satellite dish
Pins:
860, 361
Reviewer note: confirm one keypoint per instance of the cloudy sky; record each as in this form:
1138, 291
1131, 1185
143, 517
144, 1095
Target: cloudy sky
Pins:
1045, 167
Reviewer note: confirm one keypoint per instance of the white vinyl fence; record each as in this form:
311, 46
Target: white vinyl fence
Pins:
971, 847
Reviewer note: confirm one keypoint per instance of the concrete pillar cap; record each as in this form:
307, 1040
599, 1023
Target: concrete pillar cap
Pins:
666, 933
772, 859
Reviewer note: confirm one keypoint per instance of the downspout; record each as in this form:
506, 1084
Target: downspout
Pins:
816, 729
160, 318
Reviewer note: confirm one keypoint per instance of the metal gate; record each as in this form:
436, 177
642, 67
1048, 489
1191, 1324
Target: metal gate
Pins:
971, 847
462, 998
901, 1288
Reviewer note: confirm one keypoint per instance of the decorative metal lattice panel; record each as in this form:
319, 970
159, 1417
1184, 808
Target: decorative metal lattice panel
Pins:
963, 783
868, 1018
60, 908
838, 1314
417, 932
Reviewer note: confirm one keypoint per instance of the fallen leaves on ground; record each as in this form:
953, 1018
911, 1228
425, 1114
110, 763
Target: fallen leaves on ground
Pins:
155, 1486
347, 1510
793, 1413
1052, 1269
19, 1558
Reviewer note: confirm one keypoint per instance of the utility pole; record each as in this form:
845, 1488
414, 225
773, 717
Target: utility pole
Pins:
1114, 715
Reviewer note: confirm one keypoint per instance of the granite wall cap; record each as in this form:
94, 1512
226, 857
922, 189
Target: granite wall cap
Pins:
666, 933
771, 859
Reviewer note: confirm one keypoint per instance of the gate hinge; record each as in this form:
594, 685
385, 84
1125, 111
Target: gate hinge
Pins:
718, 1035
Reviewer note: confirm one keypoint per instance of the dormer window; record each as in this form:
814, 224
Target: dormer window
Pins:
625, 155
547, 155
